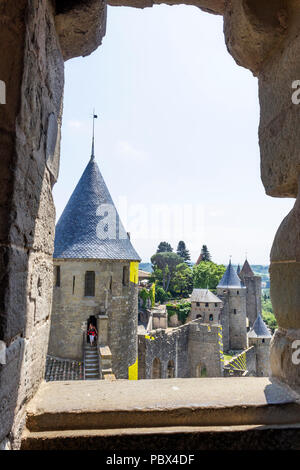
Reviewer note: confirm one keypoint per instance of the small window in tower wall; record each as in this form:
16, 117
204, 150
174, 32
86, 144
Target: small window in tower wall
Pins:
198, 304
89, 288
234, 311
57, 281
238, 293
211, 317
73, 289
206, 305
125, 276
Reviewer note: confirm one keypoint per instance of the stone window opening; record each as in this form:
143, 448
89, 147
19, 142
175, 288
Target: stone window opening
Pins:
57, 276
234, 311
206, 305
89, 287
211, 317
110, 284
73, 287
201, 370
125, 280
156, 369
170, 370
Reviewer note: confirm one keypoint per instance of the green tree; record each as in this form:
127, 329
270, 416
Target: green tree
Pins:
205, 254
164, 265
160, 294
182, 251
207, 274
182, 281
164, 247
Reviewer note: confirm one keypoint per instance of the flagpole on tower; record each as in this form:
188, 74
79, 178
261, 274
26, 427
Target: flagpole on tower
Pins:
93, 140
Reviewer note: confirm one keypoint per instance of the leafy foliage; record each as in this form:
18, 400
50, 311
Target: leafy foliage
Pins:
182, 309
144, 295
267, 313
164, 266
207, 274
161, 295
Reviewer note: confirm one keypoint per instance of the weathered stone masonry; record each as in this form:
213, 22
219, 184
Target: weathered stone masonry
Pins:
261, 36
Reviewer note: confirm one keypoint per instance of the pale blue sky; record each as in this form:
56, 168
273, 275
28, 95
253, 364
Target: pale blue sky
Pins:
177, 128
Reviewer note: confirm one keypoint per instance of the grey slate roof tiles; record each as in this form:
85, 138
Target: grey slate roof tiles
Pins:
90, 226
204, 295
259, 329
230, 278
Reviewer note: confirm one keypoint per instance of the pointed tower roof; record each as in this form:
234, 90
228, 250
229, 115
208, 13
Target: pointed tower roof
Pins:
259, 329
230, 278
90, 226
246, 270
199, 259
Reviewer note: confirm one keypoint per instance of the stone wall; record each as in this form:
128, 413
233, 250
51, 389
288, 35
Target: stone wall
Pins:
71, 310
188, 346
262, 355
233, 318
33, 70
253, 297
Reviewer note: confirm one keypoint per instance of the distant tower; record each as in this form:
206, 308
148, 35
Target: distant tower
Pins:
260, 337
95, 276
253, 292
233, 317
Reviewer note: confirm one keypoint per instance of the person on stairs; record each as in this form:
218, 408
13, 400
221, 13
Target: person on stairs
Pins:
92, 332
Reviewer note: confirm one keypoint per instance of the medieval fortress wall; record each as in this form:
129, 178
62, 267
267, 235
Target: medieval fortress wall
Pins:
191, 348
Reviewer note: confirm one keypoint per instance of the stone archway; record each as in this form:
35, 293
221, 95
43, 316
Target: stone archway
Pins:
201, 370
156, 369
264, 39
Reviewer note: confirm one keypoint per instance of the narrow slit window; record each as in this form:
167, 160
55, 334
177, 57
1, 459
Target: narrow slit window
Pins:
125, 276
73, 288
89, 290
57, 281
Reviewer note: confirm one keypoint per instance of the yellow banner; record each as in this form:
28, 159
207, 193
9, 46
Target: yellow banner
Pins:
134, 272
133, 371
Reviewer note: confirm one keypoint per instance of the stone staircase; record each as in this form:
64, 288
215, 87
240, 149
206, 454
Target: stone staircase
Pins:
91, 362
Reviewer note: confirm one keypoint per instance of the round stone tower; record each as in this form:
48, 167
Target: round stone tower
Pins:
233, 317
96, 277
259, 337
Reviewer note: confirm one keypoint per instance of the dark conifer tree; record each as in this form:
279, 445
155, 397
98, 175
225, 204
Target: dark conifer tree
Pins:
205, 254
182, 251
164, 247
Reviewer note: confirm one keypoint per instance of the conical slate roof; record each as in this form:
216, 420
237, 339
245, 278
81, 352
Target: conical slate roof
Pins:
246, 270
259, 329
230, 278
89, 226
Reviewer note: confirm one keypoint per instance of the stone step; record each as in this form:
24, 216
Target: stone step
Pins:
284, 437
172, 402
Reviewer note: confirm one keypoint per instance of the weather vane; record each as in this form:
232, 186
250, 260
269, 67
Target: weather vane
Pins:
95, 116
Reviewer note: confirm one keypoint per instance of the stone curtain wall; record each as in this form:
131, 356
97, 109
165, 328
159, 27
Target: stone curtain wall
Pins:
205, 347
72, 310
187, 346
33, 69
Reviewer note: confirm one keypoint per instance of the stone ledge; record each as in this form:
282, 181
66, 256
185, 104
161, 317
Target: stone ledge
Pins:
184, 438
59, 406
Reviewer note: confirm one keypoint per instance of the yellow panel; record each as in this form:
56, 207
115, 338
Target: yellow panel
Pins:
133, 371
134, 272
